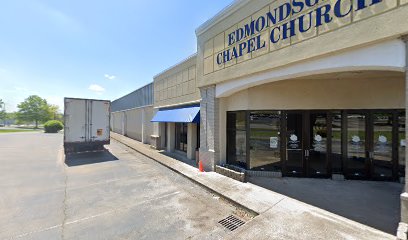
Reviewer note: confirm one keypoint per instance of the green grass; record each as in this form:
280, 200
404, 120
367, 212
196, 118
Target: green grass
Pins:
30, 127
15, 130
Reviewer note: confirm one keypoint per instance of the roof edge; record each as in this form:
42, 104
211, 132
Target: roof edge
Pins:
150, 83
224, 13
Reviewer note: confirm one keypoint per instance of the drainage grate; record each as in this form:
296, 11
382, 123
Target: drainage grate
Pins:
231, 222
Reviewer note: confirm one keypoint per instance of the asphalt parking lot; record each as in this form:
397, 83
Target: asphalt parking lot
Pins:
118, 194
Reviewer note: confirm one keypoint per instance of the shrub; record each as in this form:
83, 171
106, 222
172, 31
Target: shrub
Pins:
53, 126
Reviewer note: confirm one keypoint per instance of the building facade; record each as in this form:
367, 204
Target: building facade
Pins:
177, 102
302, 88
306, 89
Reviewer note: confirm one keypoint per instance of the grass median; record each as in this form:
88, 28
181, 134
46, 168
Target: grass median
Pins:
16, 130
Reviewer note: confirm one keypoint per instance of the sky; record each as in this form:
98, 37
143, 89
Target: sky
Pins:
93, 49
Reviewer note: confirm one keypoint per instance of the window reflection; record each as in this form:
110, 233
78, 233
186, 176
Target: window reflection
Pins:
336, 156
181, 137
382, 140
356, 139
294, 143
254, 142
401, 144
236, 138
318, 152
265, 141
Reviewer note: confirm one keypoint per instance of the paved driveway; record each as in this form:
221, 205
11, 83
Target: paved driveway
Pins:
118, 194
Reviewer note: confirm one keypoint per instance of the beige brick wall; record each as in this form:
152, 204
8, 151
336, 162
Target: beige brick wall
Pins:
177, 85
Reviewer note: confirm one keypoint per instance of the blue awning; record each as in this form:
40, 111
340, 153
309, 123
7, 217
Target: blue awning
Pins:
179, 115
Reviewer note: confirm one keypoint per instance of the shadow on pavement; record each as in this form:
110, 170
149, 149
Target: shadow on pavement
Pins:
181, 158
86, 158
376, 204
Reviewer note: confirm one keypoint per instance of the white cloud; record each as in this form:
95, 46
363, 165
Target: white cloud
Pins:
96, 88
110, 77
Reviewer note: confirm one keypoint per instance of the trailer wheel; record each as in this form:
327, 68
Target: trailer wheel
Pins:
68, 150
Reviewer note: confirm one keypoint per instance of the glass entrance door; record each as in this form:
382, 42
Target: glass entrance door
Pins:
382, 142
317, 150
356, 159
294, 144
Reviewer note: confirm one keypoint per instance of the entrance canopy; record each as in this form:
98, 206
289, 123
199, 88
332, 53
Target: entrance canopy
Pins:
179, 115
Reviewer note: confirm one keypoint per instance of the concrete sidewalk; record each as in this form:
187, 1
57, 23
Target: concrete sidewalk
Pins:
280, 217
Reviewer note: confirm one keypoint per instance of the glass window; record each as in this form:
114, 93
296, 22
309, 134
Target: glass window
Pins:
382, 144
294, 143
356, 144
265, 141
181, 137
401, 144
236, 138
236, 120
336, 154
165, 135
317, 159
184, 137
198, 136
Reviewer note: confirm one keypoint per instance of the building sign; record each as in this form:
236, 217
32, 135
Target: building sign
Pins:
293, 142
318, 143
307, 15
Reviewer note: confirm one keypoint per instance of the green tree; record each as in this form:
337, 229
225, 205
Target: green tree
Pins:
2, 110
11, 117
55, 113
33, 109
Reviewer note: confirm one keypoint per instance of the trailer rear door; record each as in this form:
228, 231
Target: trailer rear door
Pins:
99, 120
75, 120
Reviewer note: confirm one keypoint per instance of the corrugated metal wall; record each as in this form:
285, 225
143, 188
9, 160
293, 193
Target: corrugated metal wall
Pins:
117, 122
131, 114
139, 98
134, 123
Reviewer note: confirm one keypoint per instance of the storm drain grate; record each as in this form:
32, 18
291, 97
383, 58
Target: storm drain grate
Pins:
231, 222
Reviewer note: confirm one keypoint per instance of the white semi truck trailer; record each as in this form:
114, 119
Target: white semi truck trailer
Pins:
86, 124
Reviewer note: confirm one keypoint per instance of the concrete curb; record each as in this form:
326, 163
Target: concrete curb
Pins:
142, 150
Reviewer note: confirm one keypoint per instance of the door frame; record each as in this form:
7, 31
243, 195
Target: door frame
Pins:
369, 145
306, 143
229, 130
284, 123
394, 147
346, 171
